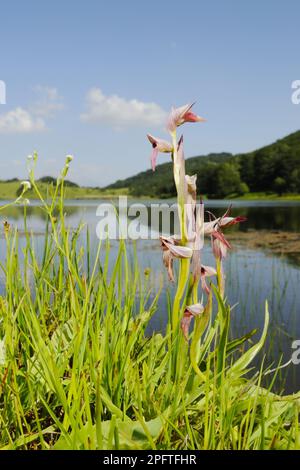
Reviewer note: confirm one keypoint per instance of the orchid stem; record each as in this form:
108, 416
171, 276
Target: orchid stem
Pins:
199, 328
220, 277
177, 169
184, 270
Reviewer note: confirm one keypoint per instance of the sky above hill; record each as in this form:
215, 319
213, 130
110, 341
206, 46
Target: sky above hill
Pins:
91, 78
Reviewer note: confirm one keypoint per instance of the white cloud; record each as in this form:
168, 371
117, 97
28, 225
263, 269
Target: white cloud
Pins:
48, 102
119, 112
20, 121
25, 121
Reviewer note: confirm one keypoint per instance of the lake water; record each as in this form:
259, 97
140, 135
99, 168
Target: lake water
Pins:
252, 275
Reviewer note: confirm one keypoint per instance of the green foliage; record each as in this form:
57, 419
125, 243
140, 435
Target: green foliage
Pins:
227, 179
279, 185
243, 189
52, 180
48, 179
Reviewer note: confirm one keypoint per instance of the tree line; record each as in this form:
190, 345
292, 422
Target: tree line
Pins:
271, 169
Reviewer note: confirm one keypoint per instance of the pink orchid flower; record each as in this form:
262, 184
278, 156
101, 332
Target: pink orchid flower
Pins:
213, 228
159, 145
219, 244
228, 221
172, 250
206, 271
179, 116
222, 222
190, 312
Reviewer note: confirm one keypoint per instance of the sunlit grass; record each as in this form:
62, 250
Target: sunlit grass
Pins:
8, 190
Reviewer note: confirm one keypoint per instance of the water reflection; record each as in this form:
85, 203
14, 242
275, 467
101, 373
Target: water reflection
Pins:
261, 215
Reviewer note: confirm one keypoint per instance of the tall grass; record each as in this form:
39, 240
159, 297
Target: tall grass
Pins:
78, 372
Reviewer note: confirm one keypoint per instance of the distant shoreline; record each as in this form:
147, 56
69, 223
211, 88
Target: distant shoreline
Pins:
105, 195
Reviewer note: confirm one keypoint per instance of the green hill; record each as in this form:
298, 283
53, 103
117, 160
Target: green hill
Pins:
269, 172
271, 169
10, 189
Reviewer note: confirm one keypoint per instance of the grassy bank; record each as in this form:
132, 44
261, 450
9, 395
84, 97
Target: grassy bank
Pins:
8, 191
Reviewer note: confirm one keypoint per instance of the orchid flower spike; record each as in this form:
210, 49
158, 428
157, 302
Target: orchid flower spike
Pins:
190, 312
190, 182
159, 145
179, 116
172, 250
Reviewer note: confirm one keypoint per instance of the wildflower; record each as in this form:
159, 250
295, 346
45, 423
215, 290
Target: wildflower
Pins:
159, 145
222, 222
213, 228
69, 158
30, 157
172, 250
206, 271
190, 312
219, 244
26, 185
179, 116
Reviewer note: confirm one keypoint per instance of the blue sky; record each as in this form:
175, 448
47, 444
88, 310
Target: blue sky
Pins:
91, 78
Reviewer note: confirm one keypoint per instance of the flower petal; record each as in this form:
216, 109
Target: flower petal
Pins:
228, 221
219, 235
191, 182
190, 311
191, 117
152, 139
208, 271
181, 251
195, 309
165, 240
154, 158
185, 325
204, 285
211, 226
168, 262
219, 248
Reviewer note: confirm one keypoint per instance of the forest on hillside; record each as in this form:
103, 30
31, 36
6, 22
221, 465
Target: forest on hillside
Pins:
274, 169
